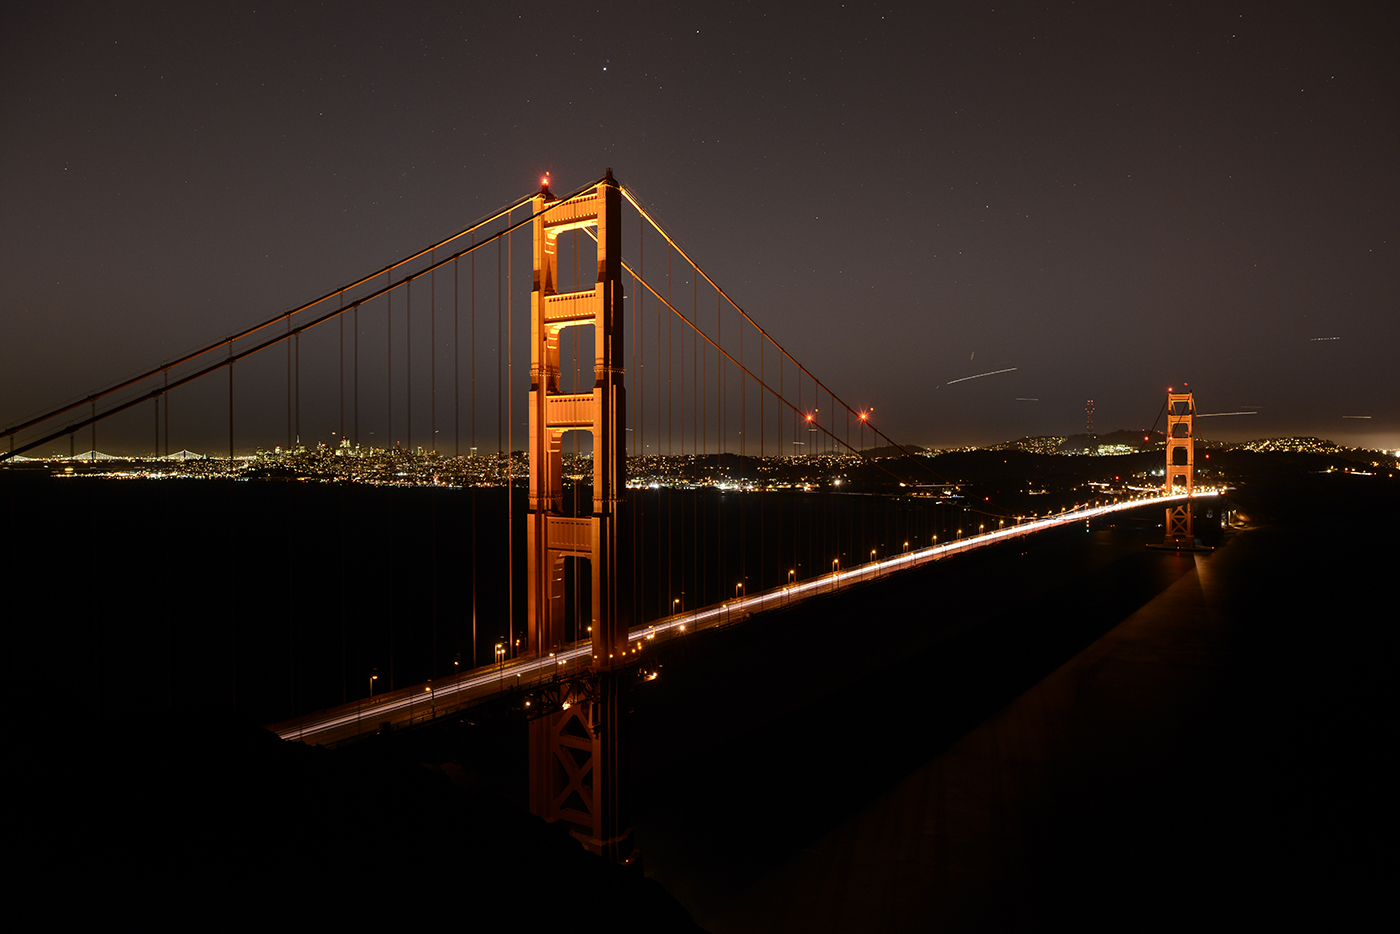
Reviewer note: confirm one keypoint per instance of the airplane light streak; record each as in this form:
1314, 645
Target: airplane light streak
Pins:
979, 376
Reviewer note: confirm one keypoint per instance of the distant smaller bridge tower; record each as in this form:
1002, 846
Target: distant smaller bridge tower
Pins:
1181, 462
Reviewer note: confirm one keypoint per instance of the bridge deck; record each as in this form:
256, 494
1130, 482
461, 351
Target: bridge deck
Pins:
422, 702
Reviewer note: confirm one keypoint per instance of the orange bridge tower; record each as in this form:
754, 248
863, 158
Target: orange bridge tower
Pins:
1181, 461
574, 749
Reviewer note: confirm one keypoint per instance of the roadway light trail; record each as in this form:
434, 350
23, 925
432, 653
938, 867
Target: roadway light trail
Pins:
408, 704
963, 379
1219, 414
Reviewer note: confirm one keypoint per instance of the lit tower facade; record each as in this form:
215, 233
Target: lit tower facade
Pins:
1181, 460
574, 752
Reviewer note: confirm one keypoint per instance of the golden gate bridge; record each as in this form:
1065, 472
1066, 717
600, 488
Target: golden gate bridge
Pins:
714, 400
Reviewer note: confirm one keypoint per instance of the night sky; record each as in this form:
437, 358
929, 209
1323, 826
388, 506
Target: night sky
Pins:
1109, 198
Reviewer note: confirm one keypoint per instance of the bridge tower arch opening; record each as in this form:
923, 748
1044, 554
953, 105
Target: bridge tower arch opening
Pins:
574, 751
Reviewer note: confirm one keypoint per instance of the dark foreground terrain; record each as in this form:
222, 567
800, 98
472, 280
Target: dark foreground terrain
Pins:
1089, 734
1070, 731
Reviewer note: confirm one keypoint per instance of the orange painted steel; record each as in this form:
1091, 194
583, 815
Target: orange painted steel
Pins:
1181, 461
574, 751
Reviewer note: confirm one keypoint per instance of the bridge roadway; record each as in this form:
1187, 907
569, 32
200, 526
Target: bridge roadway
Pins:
421, 702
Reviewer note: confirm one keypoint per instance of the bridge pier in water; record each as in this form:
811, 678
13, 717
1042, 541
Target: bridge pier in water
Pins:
574, 749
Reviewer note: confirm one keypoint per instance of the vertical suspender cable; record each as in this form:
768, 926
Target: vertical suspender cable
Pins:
340, 319
230, 408
666, 597
433, 507
655, 551
355, 342
340, 562
389, 444
232, 616
457, 447
457, 363
432, 439
695, 448
743, 424
500, 370
432, 356
743, 511
638, 436
639, 533
473, 449
680, 356
577, 387
510, 437
389, 383
289, 385
670, 360
702, 593
500, 345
